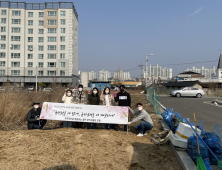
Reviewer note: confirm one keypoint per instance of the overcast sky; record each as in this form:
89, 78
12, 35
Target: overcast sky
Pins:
119, 33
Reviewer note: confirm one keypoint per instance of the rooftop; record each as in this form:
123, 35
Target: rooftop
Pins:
181, 84
190, 72
39, 6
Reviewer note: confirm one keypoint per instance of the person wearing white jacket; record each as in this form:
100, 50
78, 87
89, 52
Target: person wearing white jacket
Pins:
67, 98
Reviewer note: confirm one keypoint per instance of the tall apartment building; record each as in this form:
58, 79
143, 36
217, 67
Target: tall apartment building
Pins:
121, 75
208, 73
158, 71
38, 38
103, 75
92, 75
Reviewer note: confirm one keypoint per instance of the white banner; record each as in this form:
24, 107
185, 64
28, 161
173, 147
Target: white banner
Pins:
84, 113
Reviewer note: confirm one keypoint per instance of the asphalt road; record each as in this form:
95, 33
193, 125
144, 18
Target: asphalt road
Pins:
202, 107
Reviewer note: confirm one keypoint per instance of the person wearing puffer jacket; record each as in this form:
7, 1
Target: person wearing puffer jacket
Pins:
67, 98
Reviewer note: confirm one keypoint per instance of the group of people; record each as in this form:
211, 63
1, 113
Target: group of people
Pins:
106, 98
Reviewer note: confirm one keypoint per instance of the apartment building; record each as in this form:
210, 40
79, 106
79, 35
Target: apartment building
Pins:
158, 71
103, 75
92, 75
121, 75
208, 73
38, 39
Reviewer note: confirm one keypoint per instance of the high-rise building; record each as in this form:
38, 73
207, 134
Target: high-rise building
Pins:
121, 75
157, 71
92, 75
38, 38
103, 75
208, 73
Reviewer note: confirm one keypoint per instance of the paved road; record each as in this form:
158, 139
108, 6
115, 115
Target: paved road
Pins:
203, 108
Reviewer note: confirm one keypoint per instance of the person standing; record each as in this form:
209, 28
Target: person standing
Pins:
93, 99
146, 123
79, 97
33, 117
67, 98
123, 98
107, 99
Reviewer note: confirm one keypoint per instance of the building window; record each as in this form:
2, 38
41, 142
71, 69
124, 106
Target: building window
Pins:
62, 39
62, 73
3, 46
62, 56
41, 31
30, 14
3, 29
41, 48
15, 64
30, 64
15, 38
62, 21
2, 72
30, 56
40, 56
41, 14
15, 72
41, 23
51, 64
15, 47
62, 47
16, 13
40, 64
41, 39
3, 37
62, 30
30, 39
51, 30
2, 55
15, 55
15, 30
2, 63
52, 47
3, 12
51, 39
30, 22
30, 31
3, 20
51, 14
51, 73
16, 21
40, 73
51, 56
62, 13
30, 72
62, 64
51, 22
30, 47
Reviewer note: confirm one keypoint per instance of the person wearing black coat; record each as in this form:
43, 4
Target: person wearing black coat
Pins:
33, 117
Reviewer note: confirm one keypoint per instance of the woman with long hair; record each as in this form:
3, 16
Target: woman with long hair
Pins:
93, 99
107, 99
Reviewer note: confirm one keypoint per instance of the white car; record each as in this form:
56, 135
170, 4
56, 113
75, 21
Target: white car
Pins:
47, 89
188, 91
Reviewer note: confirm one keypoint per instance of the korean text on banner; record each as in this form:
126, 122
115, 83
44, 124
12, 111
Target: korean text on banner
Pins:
85, 113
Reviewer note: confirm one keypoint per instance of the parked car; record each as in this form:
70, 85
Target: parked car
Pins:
47, 89
188, 91
31, 88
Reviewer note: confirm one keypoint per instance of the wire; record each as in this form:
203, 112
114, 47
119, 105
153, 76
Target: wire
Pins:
190, 63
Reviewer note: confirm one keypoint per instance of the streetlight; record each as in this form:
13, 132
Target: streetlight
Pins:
146, 67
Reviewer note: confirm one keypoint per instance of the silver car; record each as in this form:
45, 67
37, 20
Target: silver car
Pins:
188, 91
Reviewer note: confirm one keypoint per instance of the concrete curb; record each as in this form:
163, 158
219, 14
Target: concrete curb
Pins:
183, 158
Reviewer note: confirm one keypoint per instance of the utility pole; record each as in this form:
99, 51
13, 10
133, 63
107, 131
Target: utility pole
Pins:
146, 71
36, 79
141, 67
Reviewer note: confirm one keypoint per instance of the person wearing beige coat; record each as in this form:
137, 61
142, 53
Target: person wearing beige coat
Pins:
67, 98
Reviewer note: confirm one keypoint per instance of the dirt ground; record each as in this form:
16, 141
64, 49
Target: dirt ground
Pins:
83, 149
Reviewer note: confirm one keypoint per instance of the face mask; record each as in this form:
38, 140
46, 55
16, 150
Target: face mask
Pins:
122, 90
36, 106
68, 94
80, 89
94, 92
106, 92
140, 108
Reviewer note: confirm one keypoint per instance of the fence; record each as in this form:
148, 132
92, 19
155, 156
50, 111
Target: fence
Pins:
154, 98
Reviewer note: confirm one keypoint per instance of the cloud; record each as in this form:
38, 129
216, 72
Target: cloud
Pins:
196, 12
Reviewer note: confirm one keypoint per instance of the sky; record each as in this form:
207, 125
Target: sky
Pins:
119, 33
